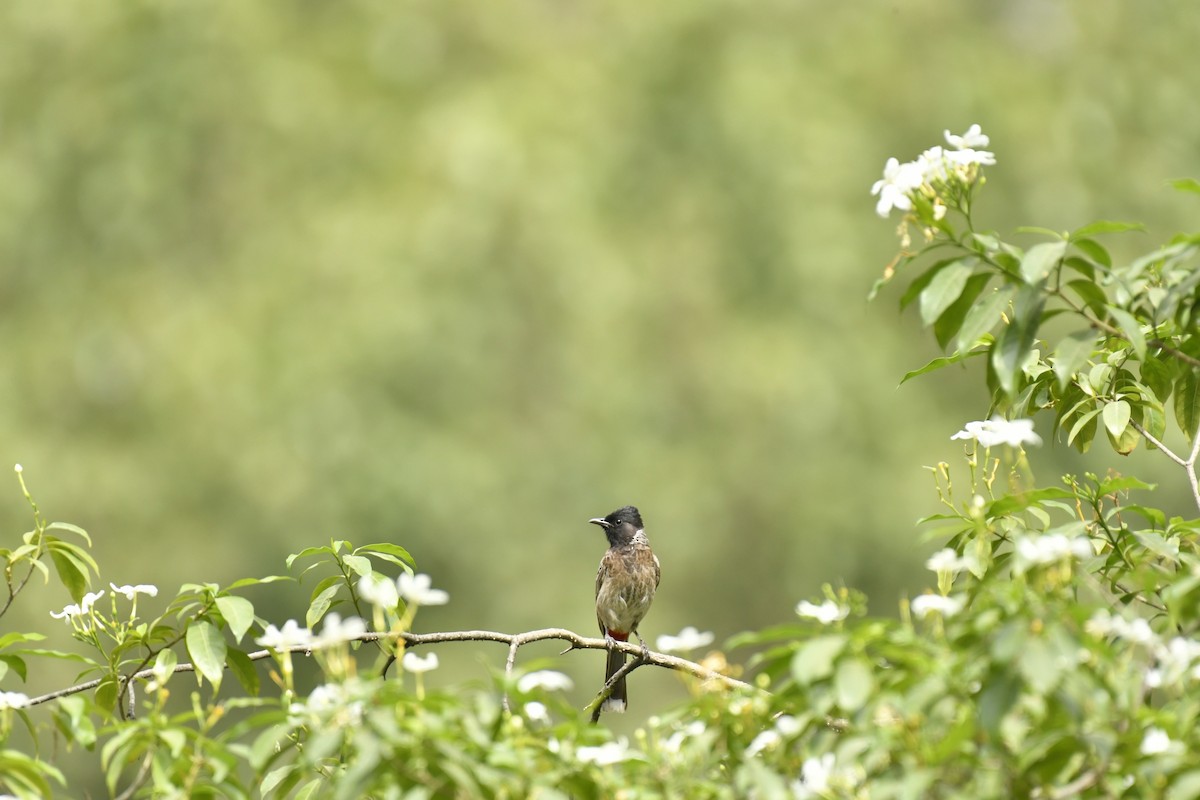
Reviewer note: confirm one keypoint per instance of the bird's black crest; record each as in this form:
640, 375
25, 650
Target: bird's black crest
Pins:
626, 514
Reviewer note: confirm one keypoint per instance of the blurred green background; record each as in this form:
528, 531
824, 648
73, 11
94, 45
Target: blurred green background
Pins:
462, 275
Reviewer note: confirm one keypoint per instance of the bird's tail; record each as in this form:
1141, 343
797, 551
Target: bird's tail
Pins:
618, 700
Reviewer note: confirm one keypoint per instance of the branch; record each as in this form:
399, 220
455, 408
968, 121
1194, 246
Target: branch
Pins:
513, 640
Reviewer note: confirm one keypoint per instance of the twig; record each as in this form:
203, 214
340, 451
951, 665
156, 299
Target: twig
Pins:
513, 640
1168, 452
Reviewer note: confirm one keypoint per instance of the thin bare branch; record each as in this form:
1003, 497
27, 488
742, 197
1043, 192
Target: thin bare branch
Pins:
513, 640
1168, 452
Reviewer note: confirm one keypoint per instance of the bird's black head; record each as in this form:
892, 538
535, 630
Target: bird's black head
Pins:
621, 525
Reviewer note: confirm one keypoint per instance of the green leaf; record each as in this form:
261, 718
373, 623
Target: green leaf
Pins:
1187, 402
1116, 416
814, 660
321, 602
390, 549
1071, 354
73, 578
1186, 185
66, 526
1095, 251
1106, 226
939, 363
853, 684
1016, 340
240, 582
361, 565
1158, 376
1091, 294
1082, 423
206, 647
982, 317
243, 669
1154, 420
164, 665
1013, 503
1131, 329
306, 552
944, 289
1000, 692
1040, 260
238, 613
949, 323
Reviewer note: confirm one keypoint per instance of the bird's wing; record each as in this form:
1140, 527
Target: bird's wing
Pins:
657, 572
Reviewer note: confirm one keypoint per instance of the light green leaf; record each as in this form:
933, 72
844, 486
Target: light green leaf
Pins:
206, 648
814, 660
320, 604
361, 565
164, 665
75, 529
944, 289
939, 363
1095, 251
1186, 185
1131, 329
1040, 259
853, 684
1116, 416
1106, 226
1071, 354
238, 613
243, 669
1080, 424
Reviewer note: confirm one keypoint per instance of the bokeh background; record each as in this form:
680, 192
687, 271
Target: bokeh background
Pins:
460, 276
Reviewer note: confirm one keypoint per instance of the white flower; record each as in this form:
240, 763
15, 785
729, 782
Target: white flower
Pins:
68, 611
998, 430
814, 777
932, 165
131, 591
536, 712
416, 664
13, 700
416, 589
946, 560
1137, 631
764, 741
18, 468
974, 137
378, 591
1155, 741
899, 180
331, 701
606, 754
336, 630
788, 725
1050, 548
970, 158
688, 639
928, 604
674, 742
825, 613
546, 679
90, 599
290, 636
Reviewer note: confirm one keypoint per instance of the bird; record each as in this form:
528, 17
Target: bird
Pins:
625, 585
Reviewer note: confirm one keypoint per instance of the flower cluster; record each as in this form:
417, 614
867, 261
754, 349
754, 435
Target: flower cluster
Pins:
826, 613
997, 430
1050, 548
414, 589
1176, 660
688, 639
932, 171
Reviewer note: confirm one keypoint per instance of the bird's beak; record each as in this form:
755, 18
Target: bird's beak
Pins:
601, 521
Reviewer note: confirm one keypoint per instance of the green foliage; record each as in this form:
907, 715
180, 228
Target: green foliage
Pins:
1058, 656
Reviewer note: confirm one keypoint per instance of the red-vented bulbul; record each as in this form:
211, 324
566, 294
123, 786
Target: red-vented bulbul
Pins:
625, 586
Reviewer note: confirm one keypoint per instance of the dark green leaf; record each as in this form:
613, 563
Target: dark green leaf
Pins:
69, 573
1040, 260
982, 317
921, 281
1016, 340
949, 323
1094, 250
1158, 376
1010, 504
243, 669
1082, 423
1187, 402
944, 289
1091, 294
1071, 354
